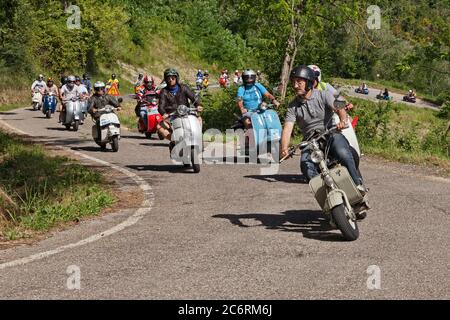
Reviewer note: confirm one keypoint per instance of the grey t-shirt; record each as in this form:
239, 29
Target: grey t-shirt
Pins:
69, 94
313, 113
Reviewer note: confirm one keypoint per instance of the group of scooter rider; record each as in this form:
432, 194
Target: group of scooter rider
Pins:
312, 109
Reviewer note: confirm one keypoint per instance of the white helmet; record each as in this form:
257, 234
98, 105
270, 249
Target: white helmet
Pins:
317, 71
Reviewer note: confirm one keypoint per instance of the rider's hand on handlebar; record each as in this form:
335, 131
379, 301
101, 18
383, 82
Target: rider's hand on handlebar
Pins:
165, 115
341, 125
199, 108
284, 152
276, 103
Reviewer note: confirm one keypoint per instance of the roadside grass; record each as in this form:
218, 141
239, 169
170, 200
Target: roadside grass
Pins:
45, 190
127, 116
11, 106
401, 133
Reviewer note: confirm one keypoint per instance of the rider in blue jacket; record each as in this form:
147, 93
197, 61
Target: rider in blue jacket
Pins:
250, 95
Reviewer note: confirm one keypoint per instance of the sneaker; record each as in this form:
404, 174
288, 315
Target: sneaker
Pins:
362, 189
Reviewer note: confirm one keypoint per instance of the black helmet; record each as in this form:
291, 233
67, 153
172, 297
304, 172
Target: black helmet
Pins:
85, 76
249, 77
171, 72
304, 72
113, 76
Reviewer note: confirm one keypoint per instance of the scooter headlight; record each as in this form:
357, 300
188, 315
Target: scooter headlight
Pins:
317, 156
182, 110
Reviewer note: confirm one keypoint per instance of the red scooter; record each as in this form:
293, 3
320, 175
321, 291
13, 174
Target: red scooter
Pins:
147, 111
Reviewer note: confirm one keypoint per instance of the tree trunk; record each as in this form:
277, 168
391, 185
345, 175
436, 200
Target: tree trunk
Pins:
291, 49
287, 64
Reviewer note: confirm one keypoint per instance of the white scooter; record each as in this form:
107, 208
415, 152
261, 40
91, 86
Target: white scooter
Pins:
109, 128
186, 142
37, 99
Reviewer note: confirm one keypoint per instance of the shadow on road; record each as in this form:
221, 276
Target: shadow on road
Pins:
156, 144
174, 168
133, 137
7, 113
91, 149
289, 178
311, 223
57, 129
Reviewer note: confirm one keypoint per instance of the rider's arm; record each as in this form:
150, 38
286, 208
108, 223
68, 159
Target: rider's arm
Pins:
113, 101
162, 103
289, 122
240, 104
239, 99
286, 137
192, 97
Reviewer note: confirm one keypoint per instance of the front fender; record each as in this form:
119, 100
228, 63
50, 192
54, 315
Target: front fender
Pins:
334, 198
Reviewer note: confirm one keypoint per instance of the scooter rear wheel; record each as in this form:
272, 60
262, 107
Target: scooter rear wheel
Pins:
148, 135
344, 223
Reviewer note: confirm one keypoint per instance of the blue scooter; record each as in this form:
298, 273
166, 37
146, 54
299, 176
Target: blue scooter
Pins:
363, 91
265, 135
49, 104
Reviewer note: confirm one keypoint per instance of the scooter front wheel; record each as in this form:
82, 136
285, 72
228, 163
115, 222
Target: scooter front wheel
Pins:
348, 227
115, 144
48, 114
75, 125
195, 159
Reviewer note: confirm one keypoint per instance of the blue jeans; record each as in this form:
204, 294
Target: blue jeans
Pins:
144, 118
339, 150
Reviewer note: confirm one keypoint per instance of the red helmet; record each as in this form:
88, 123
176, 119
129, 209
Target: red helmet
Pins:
147, 80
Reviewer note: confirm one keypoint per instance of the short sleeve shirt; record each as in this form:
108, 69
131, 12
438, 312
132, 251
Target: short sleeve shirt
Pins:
313, 113
69, 94
252, 96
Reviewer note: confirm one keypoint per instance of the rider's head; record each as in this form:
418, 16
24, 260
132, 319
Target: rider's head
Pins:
302, 79
85, 76
148, 82
249, 77
171, 77
140, 76
40, 77
317, 72
70, 82
49, 82
77, 80
99, 88
113, 76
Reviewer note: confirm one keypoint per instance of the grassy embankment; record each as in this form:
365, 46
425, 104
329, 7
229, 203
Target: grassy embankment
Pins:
41, 191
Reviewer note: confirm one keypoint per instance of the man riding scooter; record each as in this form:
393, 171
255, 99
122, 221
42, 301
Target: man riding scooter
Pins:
250, 95
99, 100
173, 95
312, 110
37, 90
67, 92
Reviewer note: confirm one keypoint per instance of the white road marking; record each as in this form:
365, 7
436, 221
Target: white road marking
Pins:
146, 207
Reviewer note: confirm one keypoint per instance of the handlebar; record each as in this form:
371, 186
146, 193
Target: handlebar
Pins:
306, 143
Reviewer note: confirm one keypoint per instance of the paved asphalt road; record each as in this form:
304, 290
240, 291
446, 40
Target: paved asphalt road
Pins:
231, 233
396, 97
